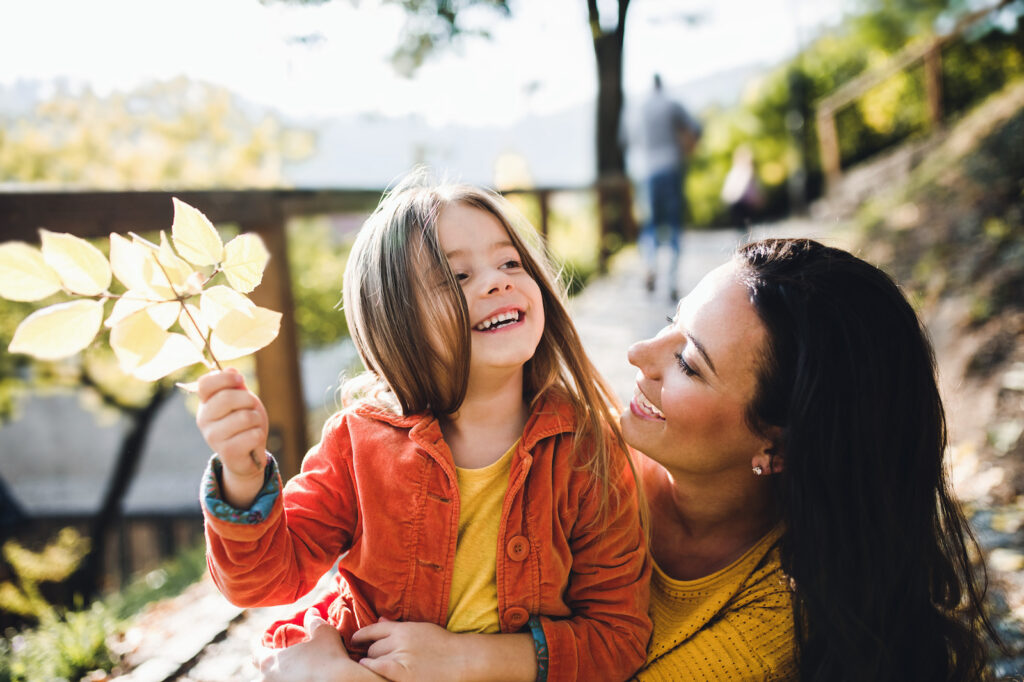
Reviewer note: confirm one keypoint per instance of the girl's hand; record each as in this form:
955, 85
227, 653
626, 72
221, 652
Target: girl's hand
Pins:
321, 658
409, 651
234, 424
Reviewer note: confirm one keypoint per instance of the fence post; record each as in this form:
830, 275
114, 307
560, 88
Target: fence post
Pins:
933, 83
828, 143
277, 365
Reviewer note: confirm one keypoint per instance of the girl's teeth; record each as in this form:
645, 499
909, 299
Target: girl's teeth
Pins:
503, 317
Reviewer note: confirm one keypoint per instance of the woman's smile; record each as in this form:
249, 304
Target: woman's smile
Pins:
642, 407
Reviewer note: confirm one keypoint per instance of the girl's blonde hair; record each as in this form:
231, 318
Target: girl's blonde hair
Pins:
410, 323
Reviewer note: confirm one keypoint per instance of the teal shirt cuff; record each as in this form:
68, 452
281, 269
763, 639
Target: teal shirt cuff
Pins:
261, 507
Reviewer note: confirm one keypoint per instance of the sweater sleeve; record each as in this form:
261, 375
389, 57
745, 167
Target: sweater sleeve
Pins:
608, 592
277, 555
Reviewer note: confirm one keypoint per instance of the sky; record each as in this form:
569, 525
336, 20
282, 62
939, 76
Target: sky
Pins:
331, 60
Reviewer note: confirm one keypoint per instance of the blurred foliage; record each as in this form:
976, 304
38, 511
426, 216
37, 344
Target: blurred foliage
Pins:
429, 26
170, 134
70, 644
317, 255
775, 116
970, 195
54, 563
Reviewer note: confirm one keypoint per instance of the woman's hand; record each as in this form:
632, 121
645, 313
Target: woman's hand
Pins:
321, 658
402, 651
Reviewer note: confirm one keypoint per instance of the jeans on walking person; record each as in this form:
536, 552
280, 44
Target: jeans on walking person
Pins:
667, 209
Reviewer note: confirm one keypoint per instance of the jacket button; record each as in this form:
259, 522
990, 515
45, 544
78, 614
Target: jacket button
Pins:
517, 617
518, 548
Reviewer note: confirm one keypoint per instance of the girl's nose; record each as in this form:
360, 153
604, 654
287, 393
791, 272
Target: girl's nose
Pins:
499, 282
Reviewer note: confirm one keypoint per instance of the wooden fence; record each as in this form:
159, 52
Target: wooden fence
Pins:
928, 54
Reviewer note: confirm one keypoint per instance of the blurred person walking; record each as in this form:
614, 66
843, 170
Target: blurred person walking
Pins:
669, 135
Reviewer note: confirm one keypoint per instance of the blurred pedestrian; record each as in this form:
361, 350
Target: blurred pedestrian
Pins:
669, 136
741, 191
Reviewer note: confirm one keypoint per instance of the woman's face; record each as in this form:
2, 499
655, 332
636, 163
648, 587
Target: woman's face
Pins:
696, 378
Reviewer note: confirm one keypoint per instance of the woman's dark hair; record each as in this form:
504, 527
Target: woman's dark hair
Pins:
874, 541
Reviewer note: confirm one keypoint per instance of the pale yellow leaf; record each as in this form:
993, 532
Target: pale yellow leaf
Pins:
24, 275
194, 236
148, 352
163, 313
154, 281
165, 273
58, 331
190, 387
245, 258
83, 269
218, 301
126, 260
191, 321
243, 331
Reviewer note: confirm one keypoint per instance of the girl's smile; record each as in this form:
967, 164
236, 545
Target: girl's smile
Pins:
501, 319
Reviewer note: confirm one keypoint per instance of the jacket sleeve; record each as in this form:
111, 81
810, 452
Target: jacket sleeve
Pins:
278, 556
609, 590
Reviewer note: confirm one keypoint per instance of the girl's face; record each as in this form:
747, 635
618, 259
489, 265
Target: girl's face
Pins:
696, 378
506, 312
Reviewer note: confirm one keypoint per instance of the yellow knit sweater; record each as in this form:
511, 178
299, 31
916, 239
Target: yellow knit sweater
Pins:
735, 624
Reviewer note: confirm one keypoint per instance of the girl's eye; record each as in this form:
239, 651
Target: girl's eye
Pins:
511, 265
461, 276
685, 366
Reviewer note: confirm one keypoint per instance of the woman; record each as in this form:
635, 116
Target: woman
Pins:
792, 442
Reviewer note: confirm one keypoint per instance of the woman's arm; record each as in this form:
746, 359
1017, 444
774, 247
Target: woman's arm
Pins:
321, 658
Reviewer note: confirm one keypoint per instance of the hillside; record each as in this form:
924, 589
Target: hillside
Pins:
953, 235
952, 232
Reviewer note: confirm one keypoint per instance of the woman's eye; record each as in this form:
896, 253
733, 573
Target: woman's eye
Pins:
685, 366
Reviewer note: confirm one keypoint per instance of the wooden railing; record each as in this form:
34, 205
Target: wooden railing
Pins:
928, 54
94, 214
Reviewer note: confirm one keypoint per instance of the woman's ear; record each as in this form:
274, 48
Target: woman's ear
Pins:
770, 460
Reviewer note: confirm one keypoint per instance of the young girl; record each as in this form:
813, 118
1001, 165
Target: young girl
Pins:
475, 478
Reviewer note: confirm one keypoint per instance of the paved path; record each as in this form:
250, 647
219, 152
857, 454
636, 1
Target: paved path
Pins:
611, 313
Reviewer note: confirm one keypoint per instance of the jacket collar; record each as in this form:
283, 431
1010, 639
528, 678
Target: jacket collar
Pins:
551, 415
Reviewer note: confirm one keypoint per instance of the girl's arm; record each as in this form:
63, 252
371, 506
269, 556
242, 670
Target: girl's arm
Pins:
272, 547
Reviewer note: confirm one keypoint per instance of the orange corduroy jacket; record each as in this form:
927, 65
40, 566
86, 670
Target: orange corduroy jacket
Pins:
381, 490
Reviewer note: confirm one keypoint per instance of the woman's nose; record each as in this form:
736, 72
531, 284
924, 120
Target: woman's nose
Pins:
638, 355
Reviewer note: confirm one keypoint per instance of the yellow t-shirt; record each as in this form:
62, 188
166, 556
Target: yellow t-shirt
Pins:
735, 624
473, 604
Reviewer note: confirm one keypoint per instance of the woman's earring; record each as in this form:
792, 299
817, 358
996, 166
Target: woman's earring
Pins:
757, 470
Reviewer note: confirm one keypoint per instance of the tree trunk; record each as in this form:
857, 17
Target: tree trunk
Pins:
88, 579
613, 189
